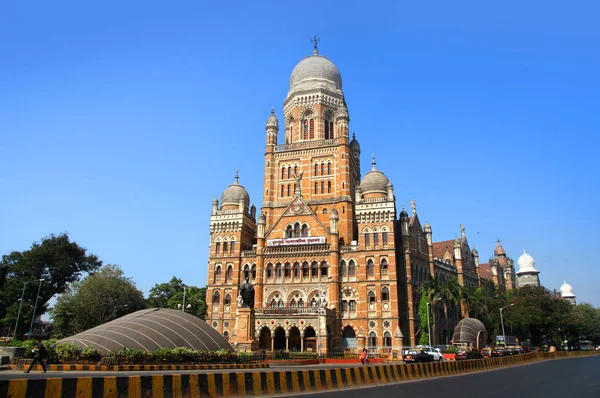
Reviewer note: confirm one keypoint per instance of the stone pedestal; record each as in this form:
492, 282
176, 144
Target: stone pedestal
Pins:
360, 340
244, 330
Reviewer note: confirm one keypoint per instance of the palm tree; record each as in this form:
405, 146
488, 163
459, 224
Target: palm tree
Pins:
474, 302
436, 289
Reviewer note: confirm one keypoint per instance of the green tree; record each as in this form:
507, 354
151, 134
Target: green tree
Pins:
170, 295
587, 323
55, 259
437, 291
99, 298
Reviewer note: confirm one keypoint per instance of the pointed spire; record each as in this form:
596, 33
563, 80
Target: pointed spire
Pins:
272, 110
374, 163
413, 207
353, 135
237, 177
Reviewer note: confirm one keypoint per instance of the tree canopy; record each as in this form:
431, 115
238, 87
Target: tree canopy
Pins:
99, 298
56, 260
170, 295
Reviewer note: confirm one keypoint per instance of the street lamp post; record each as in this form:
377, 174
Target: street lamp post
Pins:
428, 321
183, 306
35, 308
21, 305
321, 303
502, 323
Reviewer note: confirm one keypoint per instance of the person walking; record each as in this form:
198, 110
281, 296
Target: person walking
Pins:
40, 355
363, 356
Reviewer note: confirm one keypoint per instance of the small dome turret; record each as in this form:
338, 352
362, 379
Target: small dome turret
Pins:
342, 113
374, 182
427, 227
234, 194
272, 122
334, 215
354, 145
566, 291
526, 263
315, 72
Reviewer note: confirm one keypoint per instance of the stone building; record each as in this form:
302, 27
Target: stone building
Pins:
332, 265
500, 269
527, 274
566, 293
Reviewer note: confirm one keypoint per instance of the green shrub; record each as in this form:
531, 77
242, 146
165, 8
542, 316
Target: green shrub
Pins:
450, 350
67, 352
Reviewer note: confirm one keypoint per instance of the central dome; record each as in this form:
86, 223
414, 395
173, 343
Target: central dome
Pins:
315, 71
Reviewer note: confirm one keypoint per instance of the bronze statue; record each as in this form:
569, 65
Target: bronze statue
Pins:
247, 293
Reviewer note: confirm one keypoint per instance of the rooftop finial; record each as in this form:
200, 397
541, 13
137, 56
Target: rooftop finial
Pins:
413, 207
272, 110
374, 163
237, 177
315, 41
353, 135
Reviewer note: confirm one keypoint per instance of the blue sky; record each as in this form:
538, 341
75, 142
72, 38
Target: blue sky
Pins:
121, 121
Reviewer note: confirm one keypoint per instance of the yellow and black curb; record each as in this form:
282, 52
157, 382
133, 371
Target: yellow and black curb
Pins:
143, 368
255, 383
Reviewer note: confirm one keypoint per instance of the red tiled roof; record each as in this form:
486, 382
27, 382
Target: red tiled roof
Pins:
485, 271
439, 248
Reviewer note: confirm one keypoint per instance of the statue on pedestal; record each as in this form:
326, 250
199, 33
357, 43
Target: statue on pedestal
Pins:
247, 293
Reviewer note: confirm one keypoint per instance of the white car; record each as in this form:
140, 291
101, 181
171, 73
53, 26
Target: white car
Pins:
436, 352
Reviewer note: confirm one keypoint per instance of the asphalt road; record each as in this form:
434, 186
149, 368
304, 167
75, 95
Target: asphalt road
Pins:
574, 377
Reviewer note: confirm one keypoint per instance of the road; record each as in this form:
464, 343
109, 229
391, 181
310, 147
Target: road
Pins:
574, 377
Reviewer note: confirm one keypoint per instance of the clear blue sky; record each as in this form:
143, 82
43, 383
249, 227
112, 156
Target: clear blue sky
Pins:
121, 121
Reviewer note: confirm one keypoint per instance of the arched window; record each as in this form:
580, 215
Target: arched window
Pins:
343, 269
216, 297
288, 270
384, 239
370, 268
280, 303
322, 169
316, 187
371, 297
375, 239
296, 270
324, 268
372, 340
351, 268
331, 135
288, 190
322, 186
289, 173
289, 232
304, 230
232, 247
385, 294
283, 172
314, 269
326, 129
313, 302
229, 274
367, 239
328, 168
269, 271
218, 248
246, 272
305, 130
316, 172
278, 270
300, 303
293, 303
273, 303
253, 272
226, 335
324, 211
291, 133
328, 186
227, 299
282, 190
225, 248
384, 267
387, 340
218, 274
305, 270
312, 129
297, 230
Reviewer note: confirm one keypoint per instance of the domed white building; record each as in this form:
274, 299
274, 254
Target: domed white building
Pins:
566, 292
527, 274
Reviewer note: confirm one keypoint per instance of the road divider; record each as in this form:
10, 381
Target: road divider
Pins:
256, 383
144, 368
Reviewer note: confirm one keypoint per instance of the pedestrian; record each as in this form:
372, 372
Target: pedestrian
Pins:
40, 355
367, 357
363, 356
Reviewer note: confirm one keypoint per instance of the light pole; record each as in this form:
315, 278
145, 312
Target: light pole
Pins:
21, 305
502, 323
428, 321
35, 308
183, 306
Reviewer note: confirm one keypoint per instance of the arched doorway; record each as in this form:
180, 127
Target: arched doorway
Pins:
279, 343
265, 339
348, 337
295, 340
310, 339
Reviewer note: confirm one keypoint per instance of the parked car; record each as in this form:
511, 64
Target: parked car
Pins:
461, 353
435, 352
499, 351
416, 355
474, 354
487, 352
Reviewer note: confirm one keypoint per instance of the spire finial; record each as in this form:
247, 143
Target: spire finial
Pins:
272, 110
315, 41
353, 135
413, 207
237, 177
402, 206
373, 163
